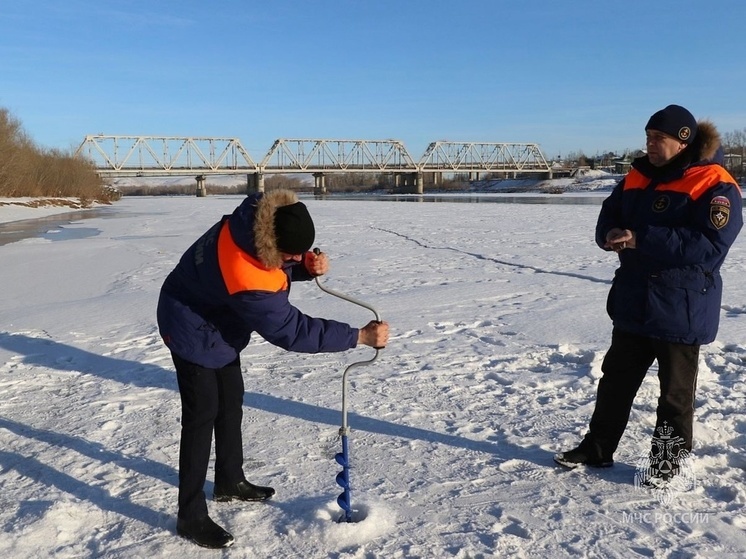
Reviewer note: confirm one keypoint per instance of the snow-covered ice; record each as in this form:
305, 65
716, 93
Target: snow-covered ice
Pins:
498, 327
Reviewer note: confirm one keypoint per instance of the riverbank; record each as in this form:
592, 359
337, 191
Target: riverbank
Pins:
18, 209
584, 180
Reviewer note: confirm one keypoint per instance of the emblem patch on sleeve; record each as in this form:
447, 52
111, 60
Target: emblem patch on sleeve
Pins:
719, 211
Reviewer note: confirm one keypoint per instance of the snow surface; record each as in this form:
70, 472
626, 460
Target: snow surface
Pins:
498, 332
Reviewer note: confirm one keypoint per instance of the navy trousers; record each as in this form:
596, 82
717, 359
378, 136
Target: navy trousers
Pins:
624, 368
211, 401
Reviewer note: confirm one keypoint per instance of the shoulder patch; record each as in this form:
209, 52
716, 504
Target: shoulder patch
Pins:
719, 211
720, 201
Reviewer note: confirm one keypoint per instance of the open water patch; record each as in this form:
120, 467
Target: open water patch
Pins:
60, 227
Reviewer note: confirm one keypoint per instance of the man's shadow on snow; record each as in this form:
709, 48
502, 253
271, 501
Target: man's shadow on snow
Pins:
316, 414
502, 449
51, 354
44, 352
32, 468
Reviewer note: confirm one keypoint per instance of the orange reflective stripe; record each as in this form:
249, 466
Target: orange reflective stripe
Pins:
242, 272
695, 182
698, 180
635, 179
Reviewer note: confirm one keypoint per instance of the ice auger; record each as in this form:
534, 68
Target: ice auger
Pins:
343, 458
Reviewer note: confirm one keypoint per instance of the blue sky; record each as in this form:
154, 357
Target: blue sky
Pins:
571, 76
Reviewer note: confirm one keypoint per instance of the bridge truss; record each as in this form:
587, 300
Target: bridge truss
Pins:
303, 155
163, 155
474, 157
122, 156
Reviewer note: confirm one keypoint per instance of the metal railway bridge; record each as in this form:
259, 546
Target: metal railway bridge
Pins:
151, 156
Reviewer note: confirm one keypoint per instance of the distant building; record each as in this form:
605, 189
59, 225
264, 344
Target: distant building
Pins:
560, 170
622, 166
733, 161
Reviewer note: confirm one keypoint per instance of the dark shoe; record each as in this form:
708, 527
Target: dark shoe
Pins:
204, 532
586, 454
242, 491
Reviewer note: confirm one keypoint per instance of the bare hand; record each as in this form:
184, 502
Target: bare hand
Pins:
375, 334
620, 239
317, 264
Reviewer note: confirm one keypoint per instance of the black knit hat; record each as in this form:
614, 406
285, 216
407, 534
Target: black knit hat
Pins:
675, 121
294, 228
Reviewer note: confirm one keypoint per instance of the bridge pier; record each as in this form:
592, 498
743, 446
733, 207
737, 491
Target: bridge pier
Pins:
201, 186
319, 183
254, 183
410, 183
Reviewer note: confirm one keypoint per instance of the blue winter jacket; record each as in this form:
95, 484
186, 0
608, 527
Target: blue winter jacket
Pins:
231, 283
686, 215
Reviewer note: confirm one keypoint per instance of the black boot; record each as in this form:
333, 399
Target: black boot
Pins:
586, 454
242, 491
204, 532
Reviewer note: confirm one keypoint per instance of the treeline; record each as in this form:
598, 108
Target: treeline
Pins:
339, 183
352, 182
734, 145
271, 182
27, 170
178, 189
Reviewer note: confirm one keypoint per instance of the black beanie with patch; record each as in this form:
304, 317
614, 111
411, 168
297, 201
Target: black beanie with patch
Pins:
294, 228
675, 121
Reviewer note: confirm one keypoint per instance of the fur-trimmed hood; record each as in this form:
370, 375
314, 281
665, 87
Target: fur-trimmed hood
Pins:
706, 143
252, 225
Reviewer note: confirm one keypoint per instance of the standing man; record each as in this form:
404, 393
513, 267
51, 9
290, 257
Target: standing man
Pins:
671, 220
234, 281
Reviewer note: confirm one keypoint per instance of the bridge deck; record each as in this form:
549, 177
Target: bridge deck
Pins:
119, 156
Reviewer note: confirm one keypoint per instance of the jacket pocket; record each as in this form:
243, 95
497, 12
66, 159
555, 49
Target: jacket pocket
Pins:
676, 302
626, 300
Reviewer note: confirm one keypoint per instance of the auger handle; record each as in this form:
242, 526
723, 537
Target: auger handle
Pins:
343, 431
317, 251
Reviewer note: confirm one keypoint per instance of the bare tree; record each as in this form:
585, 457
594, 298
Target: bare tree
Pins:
734, 145
26, 170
